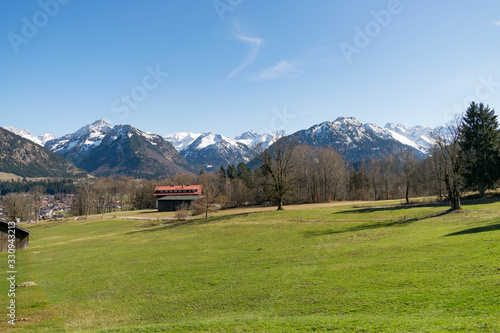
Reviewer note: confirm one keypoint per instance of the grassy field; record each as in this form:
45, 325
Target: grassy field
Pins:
331, 268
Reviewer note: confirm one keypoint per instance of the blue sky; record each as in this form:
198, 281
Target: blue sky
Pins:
228, 66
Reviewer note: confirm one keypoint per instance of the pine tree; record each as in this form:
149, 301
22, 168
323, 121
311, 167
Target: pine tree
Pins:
479, 139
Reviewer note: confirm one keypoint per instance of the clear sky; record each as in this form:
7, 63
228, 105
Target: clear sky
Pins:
228, 66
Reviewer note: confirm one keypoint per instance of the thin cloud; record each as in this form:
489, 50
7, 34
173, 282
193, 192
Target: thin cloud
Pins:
284, 68
497, 23
254, 44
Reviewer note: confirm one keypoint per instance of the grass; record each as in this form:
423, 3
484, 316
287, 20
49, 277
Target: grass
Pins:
332, 268
4, 176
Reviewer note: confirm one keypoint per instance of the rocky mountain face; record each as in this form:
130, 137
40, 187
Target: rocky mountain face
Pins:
104, 150
25, 158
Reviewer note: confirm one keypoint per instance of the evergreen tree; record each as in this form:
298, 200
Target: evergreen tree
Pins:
231, 171
479, 139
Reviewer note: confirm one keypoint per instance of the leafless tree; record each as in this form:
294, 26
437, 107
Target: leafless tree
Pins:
409, 163
36, 200
448, 164
17, 207
277, 164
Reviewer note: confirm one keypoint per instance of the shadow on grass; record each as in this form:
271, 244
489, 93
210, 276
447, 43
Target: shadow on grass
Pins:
376, 225
187, 223
477, 230
390, 208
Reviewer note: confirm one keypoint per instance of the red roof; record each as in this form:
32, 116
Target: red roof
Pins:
178, 190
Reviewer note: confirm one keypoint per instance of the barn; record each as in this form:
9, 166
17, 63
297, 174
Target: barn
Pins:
22, 236
173, 197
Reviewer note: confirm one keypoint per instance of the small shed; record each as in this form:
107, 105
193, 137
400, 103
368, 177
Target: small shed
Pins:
171, 198
22, 236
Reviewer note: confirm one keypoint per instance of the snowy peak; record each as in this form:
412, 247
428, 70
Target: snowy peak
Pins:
40, 140
24, 133
82, 140
249, 135
97, 128
399, 128
252, 139
182, 139
209, 139
345, 132
46, 137
211, 150
418, 137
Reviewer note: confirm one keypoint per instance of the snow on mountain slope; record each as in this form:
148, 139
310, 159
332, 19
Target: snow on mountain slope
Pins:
24, 133
353, 140
40, 140
214, 150
75, 143
252, 139
182, 139
418, 137
45, 137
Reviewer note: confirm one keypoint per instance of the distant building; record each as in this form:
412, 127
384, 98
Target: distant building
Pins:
22, 237
171, 198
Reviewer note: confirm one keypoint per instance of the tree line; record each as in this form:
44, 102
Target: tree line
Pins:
64, 186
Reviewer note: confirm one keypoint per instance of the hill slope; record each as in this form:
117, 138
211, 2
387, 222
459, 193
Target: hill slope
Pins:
25, 158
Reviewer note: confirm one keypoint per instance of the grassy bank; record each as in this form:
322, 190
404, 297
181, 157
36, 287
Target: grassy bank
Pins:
340, 268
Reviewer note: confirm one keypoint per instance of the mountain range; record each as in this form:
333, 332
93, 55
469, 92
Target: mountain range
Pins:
105, 150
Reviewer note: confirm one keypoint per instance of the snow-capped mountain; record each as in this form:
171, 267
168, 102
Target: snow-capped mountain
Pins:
352, 139
252, 139
46, 137
182, 139
211, 150
40, 140
72, 145
104, 150
419, 137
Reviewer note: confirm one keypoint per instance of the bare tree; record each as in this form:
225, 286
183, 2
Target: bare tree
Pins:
17, 207
278, 166
447, 155
409, 163
36, 200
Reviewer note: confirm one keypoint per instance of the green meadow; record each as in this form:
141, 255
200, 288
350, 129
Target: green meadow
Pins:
347, 268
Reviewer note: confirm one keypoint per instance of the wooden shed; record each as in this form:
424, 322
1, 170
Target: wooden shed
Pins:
171, 198
22, 236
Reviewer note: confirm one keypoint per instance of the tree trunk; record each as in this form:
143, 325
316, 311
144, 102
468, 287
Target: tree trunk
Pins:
280, 204
482, 190
455, 203
407, 191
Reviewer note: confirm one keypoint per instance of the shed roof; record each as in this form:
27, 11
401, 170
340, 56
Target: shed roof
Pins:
17, 227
